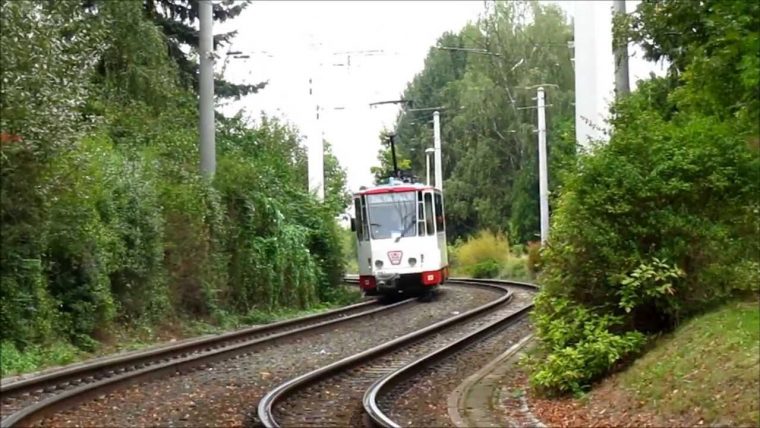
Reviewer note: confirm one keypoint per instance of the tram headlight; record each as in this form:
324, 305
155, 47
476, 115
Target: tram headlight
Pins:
412, 261
378, 264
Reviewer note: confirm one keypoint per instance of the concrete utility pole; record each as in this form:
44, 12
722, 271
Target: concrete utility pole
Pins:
315, 144
316, 151
622, 84
206, 101
543, 180
428, 152
437, 146
594, 84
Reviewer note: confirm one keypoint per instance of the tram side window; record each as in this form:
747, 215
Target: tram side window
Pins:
359, 219
365, 220
429, 213
420, 215
362, 232
439, 223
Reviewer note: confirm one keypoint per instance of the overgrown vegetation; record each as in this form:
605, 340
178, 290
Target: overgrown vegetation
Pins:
661, 223
348, 239
487, 255
106, 222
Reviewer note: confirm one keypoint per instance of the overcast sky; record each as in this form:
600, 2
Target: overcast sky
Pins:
284, 37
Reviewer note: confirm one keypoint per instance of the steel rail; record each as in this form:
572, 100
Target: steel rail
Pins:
65, 374
112, 373
267, 403
386, 383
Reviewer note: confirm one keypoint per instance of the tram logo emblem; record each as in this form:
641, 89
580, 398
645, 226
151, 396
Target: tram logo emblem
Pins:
395, 257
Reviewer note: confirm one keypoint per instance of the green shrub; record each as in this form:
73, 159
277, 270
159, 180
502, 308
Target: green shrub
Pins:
515, 268
486, 269
348, 240
519, 250
27, 310
534, 262
341, 296
485, 247
106, 221
581, 345
30, 358
654, 227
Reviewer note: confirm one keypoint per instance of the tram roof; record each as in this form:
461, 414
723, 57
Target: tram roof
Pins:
394, 188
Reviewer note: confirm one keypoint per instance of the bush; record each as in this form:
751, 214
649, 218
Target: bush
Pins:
581, 345
348, 240
654, 227
486, 269
106, 221
484, 247
32, 358
519, 250
515, 268
534, 258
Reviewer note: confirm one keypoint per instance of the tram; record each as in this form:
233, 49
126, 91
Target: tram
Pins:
401, 238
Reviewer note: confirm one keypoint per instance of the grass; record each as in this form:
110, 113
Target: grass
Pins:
708, 368
14, 361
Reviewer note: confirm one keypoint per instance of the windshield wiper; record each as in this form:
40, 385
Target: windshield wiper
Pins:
406, 229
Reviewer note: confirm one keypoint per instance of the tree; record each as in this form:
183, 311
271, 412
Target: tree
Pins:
176, 19
661, 222
713, 50
337, 195
487, 120
385, 157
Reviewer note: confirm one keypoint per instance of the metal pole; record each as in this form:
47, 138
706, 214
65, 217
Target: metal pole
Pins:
393, 155
206, 83
543, 180
427, 169
622, 84
437, 146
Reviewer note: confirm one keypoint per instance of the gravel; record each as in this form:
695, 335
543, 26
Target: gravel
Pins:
422, 399
227, 393
336, 400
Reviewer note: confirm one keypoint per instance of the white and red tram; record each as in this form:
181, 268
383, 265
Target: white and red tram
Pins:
401, 239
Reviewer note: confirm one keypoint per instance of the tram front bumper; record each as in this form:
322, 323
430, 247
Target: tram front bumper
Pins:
387, 281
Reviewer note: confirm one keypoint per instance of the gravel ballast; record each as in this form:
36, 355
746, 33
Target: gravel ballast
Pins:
226, 393
422, 399
337, 400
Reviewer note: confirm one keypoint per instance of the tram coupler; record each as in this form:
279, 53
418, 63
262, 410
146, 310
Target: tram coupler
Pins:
386, 282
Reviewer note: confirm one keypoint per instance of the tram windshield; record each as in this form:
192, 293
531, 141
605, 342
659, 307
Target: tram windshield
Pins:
392, 215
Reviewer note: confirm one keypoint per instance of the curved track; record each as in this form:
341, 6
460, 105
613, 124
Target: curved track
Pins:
331, 395
384, 386
27, 400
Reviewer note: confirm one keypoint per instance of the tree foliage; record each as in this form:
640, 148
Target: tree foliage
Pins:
337, 196
385, 156
487, 116
177, 20
106, 220
660, 223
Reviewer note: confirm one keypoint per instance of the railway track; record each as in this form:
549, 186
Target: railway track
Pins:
381, 399
27, 400
345, 393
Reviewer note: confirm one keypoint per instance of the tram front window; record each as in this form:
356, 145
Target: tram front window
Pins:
392, 215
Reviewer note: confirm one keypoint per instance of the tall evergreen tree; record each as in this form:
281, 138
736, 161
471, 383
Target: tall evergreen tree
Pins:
177, 20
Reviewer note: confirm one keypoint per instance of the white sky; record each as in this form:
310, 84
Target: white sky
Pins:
284, 37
